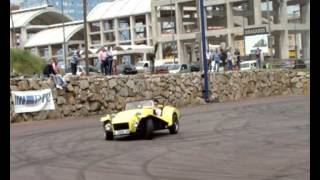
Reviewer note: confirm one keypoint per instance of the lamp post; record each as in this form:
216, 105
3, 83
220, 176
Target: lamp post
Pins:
295, 34
204, 56
243, 7
85, 34
64, 37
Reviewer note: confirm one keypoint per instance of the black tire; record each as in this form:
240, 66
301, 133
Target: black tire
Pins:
149, 129
108, 135
175, 126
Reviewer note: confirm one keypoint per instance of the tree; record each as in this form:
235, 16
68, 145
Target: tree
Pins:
25, 63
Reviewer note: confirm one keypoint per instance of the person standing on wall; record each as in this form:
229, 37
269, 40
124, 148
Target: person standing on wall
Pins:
102, 59
258, 58
223, 58
75, 60
229, 59
237, 54
109, 60
217, 59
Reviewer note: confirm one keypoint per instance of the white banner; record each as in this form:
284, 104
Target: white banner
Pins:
32, 101
256, 41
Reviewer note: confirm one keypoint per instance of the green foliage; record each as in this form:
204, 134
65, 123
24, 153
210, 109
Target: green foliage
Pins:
25, 63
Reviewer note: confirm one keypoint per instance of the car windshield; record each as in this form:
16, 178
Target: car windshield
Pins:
140, 104
140, 64
244, 65
174, 67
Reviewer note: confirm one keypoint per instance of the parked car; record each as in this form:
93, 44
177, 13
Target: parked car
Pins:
141, 118
162, 69
248, 65
143, 66
294, 64
194, 68
126, 69
81, 70
178, 68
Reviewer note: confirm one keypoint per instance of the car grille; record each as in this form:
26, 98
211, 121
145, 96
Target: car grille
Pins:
121, 126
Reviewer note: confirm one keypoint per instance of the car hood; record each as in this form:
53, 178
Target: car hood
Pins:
129, 115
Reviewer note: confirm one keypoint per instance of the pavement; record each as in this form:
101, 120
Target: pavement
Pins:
261, 139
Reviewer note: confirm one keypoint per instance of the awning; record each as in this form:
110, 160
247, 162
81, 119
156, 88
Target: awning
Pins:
53, 36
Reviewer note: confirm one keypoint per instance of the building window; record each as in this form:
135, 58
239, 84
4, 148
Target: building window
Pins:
124, 35
140, 29
169, 50
189, 17
95, 39
108, 25
109, 37
216, 17
167, 19
94, 27
124, 23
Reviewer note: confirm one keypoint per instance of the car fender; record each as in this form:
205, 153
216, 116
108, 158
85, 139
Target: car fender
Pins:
168, 112
105, 118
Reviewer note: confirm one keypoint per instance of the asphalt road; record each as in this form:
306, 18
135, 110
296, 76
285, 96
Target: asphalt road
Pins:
263, 139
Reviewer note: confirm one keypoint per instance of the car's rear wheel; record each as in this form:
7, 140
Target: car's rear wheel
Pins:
149, 129
175, 126
108, 135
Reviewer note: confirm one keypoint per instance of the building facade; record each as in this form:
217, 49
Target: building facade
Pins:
176, 26
25, 23
123, 25
71, 7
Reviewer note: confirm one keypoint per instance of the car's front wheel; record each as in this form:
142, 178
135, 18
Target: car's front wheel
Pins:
149, 129
108, 135
175, 126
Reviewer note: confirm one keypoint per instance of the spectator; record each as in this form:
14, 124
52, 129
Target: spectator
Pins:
229, 59
74, 61
217, 59
223, 57
109, 60
258, 58
102, 55
237, 54
48, 69
51, 70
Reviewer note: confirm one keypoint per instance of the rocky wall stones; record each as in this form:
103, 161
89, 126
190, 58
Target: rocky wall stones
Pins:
98, 95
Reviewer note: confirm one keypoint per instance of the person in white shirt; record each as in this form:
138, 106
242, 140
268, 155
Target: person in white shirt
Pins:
102, 55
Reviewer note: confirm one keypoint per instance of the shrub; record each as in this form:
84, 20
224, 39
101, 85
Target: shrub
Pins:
25, 63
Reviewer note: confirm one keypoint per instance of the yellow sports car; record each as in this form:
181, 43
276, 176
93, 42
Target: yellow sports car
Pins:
141, 118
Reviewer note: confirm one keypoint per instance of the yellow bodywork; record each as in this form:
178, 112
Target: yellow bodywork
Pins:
136, 115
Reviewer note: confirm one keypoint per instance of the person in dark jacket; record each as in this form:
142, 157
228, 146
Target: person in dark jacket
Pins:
74, 61
48, 70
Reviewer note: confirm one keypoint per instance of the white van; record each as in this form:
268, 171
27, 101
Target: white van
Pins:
143, 66
248, 65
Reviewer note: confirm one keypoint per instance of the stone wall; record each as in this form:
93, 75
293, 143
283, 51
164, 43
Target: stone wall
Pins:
99, 95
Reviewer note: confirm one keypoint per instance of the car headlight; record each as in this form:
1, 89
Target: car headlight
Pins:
138, 113
108, 127
136, 124
113, 115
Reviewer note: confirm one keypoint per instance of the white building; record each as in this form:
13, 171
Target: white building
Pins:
124, 25
25, 23
176, 26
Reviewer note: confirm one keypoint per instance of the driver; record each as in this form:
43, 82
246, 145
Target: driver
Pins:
157, 108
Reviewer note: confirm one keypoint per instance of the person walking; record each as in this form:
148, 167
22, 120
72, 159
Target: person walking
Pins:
237, 54
75, 60
258, 58
102, 55
208, 56
217, 59
109, 60
229, 59
223, 58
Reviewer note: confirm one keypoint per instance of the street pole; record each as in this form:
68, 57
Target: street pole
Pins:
175, 26
295, 34
64, 37
269, 24
243, 26
13, 31
204, 56
85, 34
